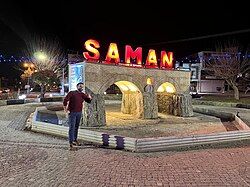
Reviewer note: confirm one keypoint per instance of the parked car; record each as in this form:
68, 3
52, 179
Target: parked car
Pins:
195, 95
5, 90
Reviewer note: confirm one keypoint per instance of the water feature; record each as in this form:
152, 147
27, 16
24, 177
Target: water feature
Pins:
51, 118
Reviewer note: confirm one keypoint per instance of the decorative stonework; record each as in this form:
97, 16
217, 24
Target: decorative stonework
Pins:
182, 104
132, 104
150, 106
94, 112
143, 103
165, 103
175, 104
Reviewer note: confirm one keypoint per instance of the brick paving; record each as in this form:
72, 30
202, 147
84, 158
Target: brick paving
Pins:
30, 159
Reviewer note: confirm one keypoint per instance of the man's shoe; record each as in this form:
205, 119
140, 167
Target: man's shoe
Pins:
72, 148
76, 143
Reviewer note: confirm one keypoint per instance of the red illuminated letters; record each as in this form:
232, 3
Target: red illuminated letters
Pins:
112, 55
166, 60
129, 53
89, 46
151, 59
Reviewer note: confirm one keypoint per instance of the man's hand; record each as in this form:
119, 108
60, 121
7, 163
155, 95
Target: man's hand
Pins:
89, 96
66, 109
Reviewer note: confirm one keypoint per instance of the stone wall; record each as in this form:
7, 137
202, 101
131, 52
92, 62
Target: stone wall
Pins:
99, 77
150, 105
175, 104
182, 105
94, 113
132, 103
165, 103
144, 104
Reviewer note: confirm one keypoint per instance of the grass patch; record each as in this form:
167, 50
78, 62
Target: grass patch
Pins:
224, 98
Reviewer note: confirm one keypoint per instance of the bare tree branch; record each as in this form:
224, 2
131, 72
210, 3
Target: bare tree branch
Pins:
228, 63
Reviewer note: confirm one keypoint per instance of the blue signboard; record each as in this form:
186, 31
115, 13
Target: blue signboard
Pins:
76, 75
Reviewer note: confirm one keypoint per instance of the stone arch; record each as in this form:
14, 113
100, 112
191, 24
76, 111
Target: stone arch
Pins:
165, 97
113, 79
99, 77
166, 87
132, 99
161, 81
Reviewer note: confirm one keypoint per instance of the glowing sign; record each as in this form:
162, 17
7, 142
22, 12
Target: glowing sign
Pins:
151, 59
113, 53
129, 53
166, 60
91, 46
92, 54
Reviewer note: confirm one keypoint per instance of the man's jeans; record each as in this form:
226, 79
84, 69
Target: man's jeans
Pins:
74, 122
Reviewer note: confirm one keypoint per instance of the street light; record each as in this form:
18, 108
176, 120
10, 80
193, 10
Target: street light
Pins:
39, 55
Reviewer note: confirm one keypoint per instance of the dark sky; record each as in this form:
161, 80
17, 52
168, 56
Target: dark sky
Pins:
138, 23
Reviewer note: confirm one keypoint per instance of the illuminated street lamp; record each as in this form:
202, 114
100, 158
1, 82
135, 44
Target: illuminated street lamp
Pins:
41, 56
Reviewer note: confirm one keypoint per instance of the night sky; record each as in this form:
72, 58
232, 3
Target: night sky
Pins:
138, 23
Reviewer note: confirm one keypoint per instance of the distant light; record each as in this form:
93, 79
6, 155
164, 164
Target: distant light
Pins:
40, 55
105, 93
149, 81
22, 96
50, 95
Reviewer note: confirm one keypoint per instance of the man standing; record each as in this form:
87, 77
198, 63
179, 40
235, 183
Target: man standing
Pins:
73, 104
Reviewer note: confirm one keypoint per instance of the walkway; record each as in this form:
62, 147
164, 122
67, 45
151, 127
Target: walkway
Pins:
30, 159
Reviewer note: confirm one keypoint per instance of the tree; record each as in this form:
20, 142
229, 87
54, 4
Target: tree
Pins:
229, 64
48, 59
46, 79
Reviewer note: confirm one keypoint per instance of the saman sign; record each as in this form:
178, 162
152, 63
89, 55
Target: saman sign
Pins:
112, 56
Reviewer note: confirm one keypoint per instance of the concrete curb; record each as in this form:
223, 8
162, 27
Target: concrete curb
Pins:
144, 144
220, 114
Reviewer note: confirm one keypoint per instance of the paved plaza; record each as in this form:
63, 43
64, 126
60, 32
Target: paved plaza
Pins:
32, 159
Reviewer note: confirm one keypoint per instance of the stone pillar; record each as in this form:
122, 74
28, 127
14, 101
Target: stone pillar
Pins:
132, 103
182, 104
94, 112
150, 105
